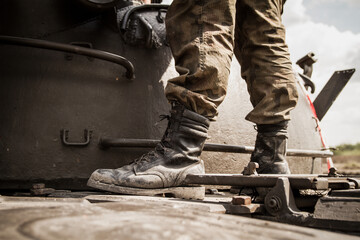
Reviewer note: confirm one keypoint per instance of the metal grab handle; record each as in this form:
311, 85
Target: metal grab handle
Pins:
69, 56
29, 42
64, 135
212, 147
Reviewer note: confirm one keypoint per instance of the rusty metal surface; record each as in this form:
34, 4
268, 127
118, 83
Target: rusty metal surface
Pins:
127, 218
241, 200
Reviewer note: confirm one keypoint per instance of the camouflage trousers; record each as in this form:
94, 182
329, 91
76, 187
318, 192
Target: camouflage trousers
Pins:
204, 34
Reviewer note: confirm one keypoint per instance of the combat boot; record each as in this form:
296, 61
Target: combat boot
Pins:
270, 149
163, 169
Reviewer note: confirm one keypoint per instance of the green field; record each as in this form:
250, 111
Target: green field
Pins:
347, 158
347, 150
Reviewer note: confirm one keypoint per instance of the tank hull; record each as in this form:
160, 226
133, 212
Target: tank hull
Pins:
44, 92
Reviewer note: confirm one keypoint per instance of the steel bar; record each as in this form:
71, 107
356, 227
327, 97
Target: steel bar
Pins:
71, 49
212, 147
297, 181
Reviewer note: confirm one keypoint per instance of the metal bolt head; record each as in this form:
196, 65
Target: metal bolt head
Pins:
39, 189
272, 203
241, 200
38, 185
250, 169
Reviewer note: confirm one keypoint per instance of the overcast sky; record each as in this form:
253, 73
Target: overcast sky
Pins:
330, 29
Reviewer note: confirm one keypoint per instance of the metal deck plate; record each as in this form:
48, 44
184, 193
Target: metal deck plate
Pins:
130, 217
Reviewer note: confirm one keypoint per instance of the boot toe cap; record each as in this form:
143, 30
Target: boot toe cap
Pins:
103, 175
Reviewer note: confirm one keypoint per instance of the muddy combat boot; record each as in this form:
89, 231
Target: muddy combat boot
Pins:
163, 170
270, 149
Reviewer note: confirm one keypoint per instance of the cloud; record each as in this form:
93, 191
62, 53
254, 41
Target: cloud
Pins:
341, 123
335, 50
352, 3
295, 13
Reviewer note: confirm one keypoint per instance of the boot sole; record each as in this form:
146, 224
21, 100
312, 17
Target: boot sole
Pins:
197, 193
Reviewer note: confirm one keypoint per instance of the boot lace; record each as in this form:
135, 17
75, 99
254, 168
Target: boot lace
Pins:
160, 147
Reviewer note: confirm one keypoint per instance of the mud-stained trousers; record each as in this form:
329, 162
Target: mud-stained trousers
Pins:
204, 34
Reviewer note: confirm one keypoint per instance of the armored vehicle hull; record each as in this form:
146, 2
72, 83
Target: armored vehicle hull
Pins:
50, 99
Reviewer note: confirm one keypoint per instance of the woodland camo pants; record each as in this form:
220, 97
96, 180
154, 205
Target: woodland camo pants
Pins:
204, 34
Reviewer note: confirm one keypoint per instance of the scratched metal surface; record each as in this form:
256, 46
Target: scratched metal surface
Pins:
135, 218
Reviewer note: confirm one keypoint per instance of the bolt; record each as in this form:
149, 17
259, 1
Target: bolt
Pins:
241, 200
38, 185
251, 168
38, 189
272, 203
333, 172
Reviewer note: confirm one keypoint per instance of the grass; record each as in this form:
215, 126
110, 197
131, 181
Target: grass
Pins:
355, 152
347, 158
347, 150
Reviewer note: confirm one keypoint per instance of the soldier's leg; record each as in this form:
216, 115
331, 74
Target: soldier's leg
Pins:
265, 64
200, 33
